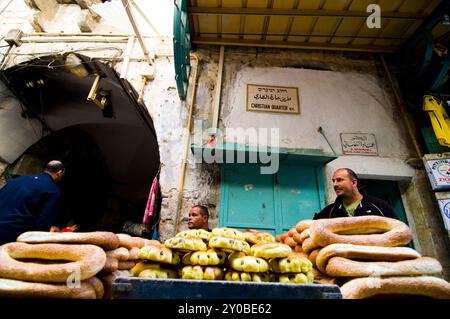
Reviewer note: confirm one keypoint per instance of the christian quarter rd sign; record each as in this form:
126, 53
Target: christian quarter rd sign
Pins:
267, 98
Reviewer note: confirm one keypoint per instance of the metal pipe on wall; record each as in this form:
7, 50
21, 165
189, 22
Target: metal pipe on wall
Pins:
126, 59
63, 34
138, 9
216, 107
5, 6
86, 35
73, 39
137, 32
187, 144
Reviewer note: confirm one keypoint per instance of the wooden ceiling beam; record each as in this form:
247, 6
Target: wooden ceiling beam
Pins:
300, 12
290, 21
293, 45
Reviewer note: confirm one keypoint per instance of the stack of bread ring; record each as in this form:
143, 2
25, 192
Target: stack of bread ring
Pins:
224, 253
55, 265
121, 260
285, 265
158, 262
66, 265
240, 265
366, 256
203, 254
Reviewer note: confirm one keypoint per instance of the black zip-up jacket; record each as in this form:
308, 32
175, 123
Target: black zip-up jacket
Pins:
369, 206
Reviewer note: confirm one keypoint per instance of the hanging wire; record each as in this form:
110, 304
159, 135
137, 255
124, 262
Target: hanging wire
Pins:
61, 54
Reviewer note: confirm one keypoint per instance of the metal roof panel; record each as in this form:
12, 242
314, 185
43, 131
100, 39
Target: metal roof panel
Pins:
281, 23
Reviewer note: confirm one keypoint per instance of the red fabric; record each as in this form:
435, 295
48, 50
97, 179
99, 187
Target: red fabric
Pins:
212, 141
150, 208
65, 230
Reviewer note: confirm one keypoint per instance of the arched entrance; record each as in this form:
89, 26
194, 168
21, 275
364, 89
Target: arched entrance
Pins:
111, 157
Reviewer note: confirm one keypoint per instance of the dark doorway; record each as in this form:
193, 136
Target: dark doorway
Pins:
388, 191
85, 185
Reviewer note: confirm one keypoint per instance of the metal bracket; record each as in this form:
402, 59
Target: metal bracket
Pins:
93, 94
13, 37
441, 75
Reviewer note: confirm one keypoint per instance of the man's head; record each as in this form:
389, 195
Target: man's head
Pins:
345, 183
55, 169
198, 217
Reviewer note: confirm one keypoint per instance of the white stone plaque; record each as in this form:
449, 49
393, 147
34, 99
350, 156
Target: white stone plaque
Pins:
359, 144
278, 99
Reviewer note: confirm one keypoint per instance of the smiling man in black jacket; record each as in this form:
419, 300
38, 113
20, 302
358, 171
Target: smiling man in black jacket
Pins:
350, 202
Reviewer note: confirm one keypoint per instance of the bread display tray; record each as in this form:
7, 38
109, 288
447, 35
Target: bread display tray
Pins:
145, 288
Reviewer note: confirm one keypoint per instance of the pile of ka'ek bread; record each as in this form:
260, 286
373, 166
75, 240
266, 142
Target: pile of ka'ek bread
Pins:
365, 256
66, 265
224, 254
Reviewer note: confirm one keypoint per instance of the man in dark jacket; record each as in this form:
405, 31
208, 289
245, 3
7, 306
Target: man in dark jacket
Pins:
350, 202
30, 202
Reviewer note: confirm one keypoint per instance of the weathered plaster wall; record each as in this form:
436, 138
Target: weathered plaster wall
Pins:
16, 15
170, 117
343, 93
338, 92
338, 102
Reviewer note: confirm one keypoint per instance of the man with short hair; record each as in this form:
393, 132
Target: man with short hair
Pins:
30, 202
198, 217
350, 202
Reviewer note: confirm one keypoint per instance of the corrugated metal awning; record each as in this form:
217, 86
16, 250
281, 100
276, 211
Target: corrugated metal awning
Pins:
340, 25
307, 24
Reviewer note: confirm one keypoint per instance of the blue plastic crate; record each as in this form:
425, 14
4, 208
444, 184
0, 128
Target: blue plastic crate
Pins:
144, 288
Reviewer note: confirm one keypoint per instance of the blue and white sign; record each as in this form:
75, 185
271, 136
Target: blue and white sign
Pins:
443, 199
438, 170
446, 209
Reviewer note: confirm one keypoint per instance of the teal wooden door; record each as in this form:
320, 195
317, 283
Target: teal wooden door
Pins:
299, 191
272, 203
247, 198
